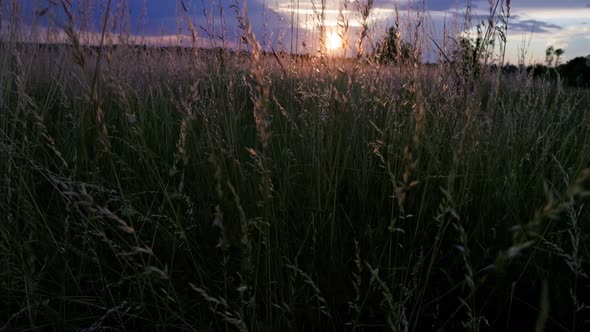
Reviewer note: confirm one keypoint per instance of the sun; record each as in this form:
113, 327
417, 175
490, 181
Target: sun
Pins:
333, 41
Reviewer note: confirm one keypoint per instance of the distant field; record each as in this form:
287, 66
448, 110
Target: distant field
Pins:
192, 189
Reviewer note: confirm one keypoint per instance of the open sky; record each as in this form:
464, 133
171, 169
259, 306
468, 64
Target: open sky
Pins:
291, 25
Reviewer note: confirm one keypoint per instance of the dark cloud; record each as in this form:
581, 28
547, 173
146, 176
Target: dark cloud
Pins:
445, 5
533, 26
436, 5
166, 17
517, 23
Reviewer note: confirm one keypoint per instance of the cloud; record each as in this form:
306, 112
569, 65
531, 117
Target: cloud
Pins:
548, 4
533, 26
575, 38
447, 5
547, 20
308, 10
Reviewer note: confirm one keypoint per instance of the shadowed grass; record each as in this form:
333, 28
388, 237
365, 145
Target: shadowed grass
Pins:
243, 194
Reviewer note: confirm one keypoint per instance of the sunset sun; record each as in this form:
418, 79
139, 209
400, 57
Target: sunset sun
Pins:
333, 41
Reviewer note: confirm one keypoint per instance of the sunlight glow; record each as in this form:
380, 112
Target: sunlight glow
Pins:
333, 41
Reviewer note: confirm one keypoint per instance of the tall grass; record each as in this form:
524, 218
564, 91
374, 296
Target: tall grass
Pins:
148, 188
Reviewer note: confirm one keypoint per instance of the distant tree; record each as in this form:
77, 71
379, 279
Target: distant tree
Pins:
553, 56
576, 72
538, 70
466, 50
467, 53
387, 49
558, 53
510, 69
549, 54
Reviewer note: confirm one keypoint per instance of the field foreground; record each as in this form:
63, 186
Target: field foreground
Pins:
168, 190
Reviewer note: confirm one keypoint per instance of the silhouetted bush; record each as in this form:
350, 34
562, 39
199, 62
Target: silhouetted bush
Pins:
576, 72
387, 50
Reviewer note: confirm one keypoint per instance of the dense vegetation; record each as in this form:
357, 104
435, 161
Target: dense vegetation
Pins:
573, 73
189, 189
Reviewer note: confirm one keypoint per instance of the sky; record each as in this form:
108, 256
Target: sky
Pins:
292, 25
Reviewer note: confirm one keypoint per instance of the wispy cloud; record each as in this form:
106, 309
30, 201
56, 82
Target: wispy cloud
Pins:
308, 12
555, 13
575, 38
533, 26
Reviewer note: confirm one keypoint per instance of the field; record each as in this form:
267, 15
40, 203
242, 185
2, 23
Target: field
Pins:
151, 188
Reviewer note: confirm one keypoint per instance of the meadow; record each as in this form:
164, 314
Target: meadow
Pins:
160, 188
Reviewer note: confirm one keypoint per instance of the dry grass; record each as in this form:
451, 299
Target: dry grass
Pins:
195, 189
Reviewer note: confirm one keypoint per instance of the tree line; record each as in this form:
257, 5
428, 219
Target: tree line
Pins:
469, 52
